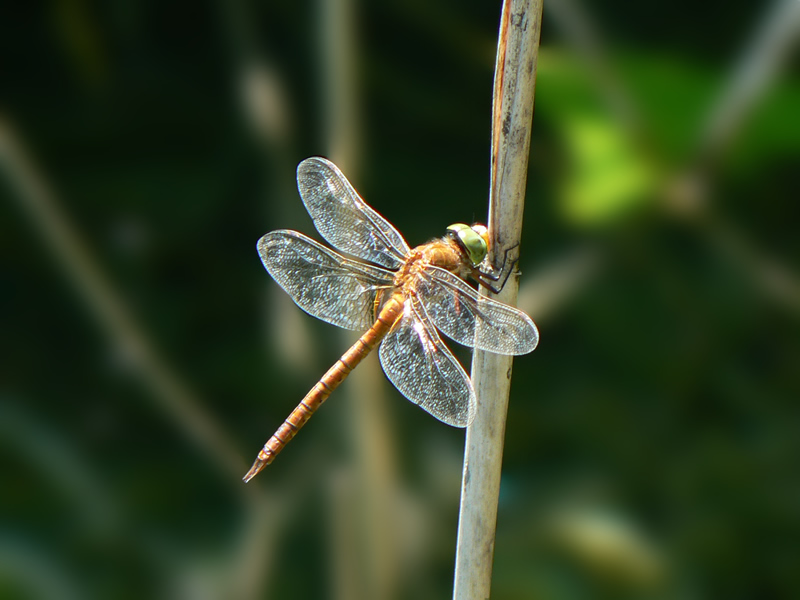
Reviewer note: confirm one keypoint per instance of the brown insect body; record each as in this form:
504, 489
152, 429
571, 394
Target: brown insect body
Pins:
403, 297
445, 253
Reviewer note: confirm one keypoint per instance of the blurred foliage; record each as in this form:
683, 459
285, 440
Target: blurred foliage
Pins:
604, 177
652, 442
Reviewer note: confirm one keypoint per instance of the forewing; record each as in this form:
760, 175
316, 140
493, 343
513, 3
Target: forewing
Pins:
344, 219
320, 281
474, 320
418, 363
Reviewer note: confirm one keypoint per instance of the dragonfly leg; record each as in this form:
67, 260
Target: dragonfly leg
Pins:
495, 279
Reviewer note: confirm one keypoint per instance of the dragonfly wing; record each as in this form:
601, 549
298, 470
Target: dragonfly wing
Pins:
344, 219
320, 281
474, 320
418, 363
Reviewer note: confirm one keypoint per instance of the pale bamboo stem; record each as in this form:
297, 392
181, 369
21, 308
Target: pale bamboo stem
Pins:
515, 76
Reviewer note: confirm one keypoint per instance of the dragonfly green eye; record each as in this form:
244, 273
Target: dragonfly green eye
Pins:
473, 239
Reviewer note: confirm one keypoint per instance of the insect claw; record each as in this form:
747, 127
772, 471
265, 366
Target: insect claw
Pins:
254, 470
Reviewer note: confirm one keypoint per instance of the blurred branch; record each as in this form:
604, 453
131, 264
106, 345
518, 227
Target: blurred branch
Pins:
512, 114
750, 79
361, 513
170, 393
583, 37
36, 572
253, 558
268, 114
343, 569
340, 87
61, 463
757, 69
264, 103
453, 32
687, 190
771, 278
551, 286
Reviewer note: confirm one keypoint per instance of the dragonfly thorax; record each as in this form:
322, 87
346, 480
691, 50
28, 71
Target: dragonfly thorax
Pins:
446, 253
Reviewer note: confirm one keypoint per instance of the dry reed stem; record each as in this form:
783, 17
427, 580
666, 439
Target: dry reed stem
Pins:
515, 76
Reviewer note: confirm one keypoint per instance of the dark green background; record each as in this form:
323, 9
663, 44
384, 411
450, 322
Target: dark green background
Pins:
653, 441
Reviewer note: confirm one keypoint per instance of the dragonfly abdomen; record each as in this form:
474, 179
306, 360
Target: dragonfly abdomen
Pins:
387, 317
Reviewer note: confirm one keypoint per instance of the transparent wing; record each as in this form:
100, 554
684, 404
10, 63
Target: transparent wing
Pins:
474, 320
320, 281
418, 363
344, 219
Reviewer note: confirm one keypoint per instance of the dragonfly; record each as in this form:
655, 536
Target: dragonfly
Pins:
400, 297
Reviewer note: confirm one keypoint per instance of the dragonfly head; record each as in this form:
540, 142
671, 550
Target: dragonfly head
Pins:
474, 240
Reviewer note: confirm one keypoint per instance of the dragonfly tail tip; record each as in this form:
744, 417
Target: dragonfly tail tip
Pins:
254, 470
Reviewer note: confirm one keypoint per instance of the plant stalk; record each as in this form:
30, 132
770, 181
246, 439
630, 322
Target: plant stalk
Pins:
512, 113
